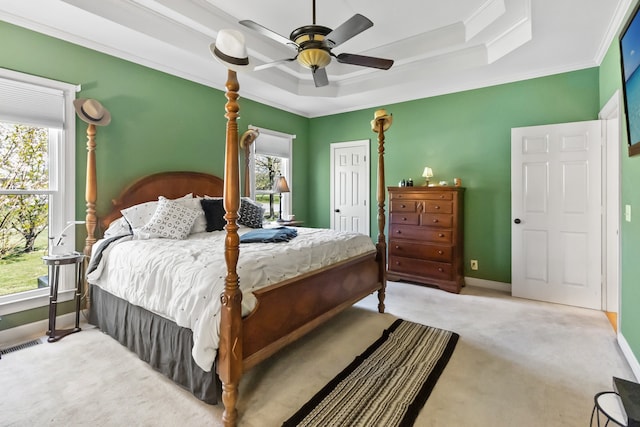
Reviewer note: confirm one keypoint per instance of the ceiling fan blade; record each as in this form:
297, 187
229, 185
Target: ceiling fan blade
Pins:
365, 61
268, 33
273, 64
350, 28
320, 77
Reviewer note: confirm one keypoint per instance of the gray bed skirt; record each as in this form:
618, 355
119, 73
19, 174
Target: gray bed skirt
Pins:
158, 341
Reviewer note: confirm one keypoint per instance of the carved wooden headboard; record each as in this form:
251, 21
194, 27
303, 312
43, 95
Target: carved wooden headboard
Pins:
168, 184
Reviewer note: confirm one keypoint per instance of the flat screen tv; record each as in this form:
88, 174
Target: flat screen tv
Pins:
630, 59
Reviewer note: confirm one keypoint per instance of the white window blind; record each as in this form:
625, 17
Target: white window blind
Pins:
273, 145
31, 105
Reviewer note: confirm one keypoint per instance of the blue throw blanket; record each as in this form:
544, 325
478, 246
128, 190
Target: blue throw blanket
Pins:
269, 235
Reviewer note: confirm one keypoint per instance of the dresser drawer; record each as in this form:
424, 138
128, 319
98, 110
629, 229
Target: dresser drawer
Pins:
434, 206
436, 270
420, 233
404, 206
436, 195
421, 195
407, 249
405, 218
436, 220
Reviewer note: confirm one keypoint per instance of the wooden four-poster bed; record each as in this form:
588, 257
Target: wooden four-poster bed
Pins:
284, 311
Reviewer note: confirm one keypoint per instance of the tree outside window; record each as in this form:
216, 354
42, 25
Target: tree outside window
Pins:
24, 158
267, 169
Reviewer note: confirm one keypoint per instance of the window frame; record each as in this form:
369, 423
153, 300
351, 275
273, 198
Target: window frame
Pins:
62, 178
287, 198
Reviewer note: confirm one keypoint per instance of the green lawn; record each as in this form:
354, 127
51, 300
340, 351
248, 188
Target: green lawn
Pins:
20, 273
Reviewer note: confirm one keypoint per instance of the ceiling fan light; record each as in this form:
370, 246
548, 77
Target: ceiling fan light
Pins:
314, 58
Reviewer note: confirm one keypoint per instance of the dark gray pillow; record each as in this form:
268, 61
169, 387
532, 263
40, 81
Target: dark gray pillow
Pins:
214, 213
251, 213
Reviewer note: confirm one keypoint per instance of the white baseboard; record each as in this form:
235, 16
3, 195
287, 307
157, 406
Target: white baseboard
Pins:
628, 354
489, 284
31, 331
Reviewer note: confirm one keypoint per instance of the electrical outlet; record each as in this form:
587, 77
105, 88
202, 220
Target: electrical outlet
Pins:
474, 264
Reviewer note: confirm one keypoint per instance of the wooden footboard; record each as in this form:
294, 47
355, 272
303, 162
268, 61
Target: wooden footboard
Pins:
288, 310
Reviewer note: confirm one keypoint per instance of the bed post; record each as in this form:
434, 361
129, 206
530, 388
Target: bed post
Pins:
381, 122
91, 190
230, 349
246, 140
229, 49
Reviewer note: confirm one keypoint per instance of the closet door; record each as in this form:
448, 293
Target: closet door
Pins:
556, 213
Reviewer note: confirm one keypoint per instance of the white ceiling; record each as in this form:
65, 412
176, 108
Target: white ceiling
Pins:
439, 46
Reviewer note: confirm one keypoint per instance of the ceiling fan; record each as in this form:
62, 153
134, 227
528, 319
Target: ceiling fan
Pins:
313, 44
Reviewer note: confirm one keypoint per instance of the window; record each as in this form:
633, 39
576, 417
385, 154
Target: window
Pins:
37, 184
271, 158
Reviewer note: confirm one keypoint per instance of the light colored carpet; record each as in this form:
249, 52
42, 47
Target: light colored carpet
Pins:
517, 363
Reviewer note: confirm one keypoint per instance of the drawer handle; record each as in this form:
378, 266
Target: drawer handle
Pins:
437, 206
397, 262
440, 252
440, 269
403, 206
442, 196
404, 219
399, 232
439, 234
435, 221
397, 247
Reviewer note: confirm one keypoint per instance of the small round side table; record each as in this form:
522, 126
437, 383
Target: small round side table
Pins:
54, 262
609, 405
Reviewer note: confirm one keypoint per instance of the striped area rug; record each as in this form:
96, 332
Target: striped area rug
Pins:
387, 385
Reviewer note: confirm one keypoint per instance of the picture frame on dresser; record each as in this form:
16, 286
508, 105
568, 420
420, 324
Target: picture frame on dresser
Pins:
426, 236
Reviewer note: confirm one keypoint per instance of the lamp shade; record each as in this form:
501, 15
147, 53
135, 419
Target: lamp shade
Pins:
281, 185
311, 58
427, 173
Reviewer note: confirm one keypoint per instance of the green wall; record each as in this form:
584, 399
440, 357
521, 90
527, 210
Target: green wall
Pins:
465, 135
610, 81
159, 122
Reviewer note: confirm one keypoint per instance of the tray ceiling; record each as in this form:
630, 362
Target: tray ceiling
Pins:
438, 47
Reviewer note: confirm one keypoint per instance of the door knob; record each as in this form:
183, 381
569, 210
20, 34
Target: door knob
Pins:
337, 210
517, 220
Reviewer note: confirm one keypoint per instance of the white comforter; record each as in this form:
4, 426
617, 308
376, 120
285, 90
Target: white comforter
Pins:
182, 280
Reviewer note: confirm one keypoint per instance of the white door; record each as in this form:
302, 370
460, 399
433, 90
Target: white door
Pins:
610, 116
556, 213
350, 186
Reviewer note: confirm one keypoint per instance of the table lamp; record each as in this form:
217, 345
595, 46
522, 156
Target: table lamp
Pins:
56, 246
281, 187
427, 173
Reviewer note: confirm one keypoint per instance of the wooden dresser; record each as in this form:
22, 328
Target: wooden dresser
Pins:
426, 236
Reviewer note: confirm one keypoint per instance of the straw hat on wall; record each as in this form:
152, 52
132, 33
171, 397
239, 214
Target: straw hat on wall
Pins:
92, 111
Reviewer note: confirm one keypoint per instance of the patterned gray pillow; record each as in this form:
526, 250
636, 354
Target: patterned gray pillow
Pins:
251, 213
171, 220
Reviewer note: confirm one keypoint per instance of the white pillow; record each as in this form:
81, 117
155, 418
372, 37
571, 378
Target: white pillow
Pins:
171, 220
200, 224
138, 215
117, 227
